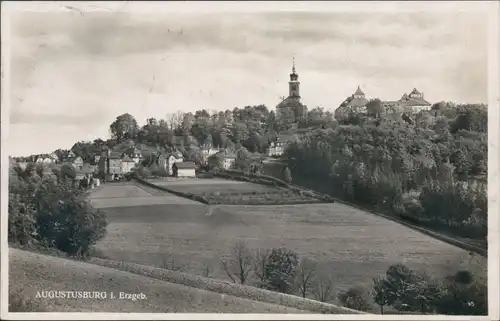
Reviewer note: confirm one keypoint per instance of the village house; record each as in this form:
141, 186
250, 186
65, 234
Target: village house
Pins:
277, 147
110, 163
184, 169
135, 154
356, 103
77, 162
54, 157
114, 163
225, 157
208, 150
127, 164
167, 160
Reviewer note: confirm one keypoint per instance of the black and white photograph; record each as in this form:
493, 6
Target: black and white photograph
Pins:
263, 160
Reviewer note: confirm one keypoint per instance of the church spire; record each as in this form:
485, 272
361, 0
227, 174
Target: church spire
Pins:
293, 66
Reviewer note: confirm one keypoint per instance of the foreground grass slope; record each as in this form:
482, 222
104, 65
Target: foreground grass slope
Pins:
31, 272
350, 245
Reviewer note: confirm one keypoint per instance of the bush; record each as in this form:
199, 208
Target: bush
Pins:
463, 295
354, 298
52, 213
280, 270
66, 220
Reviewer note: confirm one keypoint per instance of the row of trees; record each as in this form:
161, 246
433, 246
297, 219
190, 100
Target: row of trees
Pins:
402, 288
47, 209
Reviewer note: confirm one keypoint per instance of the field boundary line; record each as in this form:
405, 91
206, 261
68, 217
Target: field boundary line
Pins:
192, 197
225, 287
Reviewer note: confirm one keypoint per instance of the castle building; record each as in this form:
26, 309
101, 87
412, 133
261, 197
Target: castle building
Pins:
291, 110
409, 104
356, 103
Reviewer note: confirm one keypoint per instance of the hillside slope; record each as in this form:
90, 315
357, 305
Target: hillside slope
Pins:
31, 272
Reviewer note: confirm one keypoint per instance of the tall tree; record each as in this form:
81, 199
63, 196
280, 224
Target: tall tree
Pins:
124, 127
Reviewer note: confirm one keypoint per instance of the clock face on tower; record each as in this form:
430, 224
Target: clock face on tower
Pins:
294, 87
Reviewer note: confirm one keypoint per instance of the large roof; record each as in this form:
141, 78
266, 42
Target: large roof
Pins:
416, 102
185, 165
415, 92
352, 102
127, 158
359, 92
290, 102
115, 155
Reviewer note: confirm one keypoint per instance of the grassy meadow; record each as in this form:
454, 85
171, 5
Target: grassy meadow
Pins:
46, 273
350, 246
230, 192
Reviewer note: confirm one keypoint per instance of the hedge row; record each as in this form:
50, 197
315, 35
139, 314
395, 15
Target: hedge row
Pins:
224, 287
272, 181
191, 196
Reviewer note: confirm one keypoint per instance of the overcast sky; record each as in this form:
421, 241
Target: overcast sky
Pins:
72, 73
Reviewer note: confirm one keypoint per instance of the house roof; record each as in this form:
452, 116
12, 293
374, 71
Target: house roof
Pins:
359, 92
290, 102
285, 137
127, 158
115, 155
416, 102
352, 102
415, 92
225, 154
176, 154
185, 165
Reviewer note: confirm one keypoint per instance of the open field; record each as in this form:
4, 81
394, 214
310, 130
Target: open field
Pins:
200, 186
130, 194
230, 192
31, 272
349, 245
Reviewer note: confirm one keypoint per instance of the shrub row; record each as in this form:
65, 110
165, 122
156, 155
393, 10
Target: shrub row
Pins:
224, 287
272, 181
191, 196
262, 201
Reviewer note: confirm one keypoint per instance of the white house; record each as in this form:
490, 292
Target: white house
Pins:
135, 154
227, 158
127, 164
207, 152
77, 162
277, 147
184, 169
54, 157
166, 161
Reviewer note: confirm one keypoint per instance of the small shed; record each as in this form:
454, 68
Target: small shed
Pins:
184, 169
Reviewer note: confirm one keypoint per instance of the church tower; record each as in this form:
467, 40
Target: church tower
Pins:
294, 84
